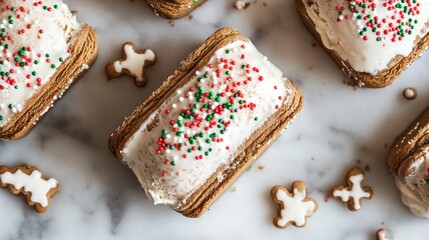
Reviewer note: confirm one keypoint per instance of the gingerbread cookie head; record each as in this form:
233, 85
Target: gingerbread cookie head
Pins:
133, 63
28, 181
354, 190
295, 206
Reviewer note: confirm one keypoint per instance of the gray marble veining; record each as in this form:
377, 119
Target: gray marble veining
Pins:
101, 199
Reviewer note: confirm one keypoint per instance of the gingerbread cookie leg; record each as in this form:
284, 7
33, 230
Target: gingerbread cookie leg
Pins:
28, 181
133, 63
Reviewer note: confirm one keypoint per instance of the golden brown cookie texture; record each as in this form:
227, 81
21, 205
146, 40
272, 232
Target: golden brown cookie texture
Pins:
133, 63
28, 181
354, 190
248, 152
295, 207
173, 9
409, 146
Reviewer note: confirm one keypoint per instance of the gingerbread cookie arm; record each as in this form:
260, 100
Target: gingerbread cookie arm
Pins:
354, 191
28, 181
133, 63
294, 207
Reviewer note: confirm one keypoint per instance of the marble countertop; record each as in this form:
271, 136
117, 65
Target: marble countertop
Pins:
101, 199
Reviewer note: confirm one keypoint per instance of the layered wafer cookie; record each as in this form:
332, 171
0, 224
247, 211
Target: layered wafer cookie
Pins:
207, 123
44, 50
174, 9
408, 160
373, 42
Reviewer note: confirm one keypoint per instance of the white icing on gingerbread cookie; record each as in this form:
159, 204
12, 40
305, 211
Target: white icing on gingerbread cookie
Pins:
133, 63
29, 181
33, 183
354, 191
295, 206
382, 234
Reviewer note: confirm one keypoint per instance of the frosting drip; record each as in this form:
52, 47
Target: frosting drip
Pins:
34, 41
201, 126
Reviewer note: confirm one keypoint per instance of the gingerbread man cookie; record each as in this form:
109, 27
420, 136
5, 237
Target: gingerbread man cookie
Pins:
295, 206
382, 234
354, 190
133, 63
28, 181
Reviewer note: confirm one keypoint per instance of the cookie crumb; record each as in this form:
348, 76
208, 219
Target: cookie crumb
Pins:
350, 84
241, 5
367, 168
190, 17
358, 161
261, 168
233, 189
410, 93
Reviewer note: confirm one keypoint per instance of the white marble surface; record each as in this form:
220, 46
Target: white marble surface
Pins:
101, 199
